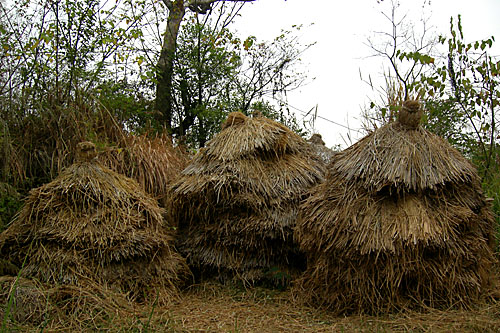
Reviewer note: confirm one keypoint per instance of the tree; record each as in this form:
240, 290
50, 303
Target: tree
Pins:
57, 54
215, 72
205, 67
177, 10
459, 85
80, 70
467, 79
406, 50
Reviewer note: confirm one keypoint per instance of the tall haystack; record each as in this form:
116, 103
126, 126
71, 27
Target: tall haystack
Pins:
91, 225
154, 162
237, 201
401, 220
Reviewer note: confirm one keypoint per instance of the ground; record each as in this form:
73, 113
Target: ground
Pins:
211, 307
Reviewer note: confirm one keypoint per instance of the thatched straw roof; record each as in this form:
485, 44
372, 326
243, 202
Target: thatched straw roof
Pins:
400, 218
236, 203
153, 162
91, 224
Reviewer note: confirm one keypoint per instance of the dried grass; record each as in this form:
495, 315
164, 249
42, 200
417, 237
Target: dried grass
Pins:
45, 142
12, 168
210, 307
27, 302
153, 162
92, 225
401, 220
405, 159
61, 308
236, 202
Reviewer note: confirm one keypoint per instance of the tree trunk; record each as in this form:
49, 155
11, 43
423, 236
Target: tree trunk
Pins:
163, 102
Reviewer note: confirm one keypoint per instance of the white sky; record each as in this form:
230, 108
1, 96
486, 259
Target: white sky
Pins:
340, 29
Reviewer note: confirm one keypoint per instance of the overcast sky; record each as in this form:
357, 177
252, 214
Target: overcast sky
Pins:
341, 29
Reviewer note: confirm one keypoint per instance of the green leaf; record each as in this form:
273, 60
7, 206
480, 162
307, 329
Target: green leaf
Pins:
383, 111
248, 42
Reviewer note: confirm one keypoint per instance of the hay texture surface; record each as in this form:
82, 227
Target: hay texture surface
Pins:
236, 203
153, 162
400, 220
92, 225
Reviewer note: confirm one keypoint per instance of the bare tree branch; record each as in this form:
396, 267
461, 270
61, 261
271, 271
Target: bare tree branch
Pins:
203, 6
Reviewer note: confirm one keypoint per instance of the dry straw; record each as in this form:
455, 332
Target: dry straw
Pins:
153, 162
92, 225
400, 220
236, 203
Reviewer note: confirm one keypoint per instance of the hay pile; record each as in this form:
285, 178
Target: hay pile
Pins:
22, 300
92, 225
237, 201
153, 162
325, 153
400, 220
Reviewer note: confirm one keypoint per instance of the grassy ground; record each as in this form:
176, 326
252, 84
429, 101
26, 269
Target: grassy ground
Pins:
211, 307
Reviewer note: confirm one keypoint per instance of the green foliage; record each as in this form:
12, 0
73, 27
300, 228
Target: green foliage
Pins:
459, 88
285, 116
465, 84
64, 41
129, 103
416, 57
492, 190
203, 79
215, 73
59, 64
443, 118
8, 207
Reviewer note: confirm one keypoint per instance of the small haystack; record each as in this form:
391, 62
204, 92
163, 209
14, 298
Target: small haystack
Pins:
92, 225
237, 201
153, 162
319, 146
400, 220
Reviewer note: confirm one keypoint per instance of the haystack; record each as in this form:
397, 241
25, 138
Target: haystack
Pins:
319, 146
91, 225
401, 220
154, 162
237, 201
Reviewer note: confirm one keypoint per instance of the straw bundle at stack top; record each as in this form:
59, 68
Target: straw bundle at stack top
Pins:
92, 225
236, 203
401, 219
